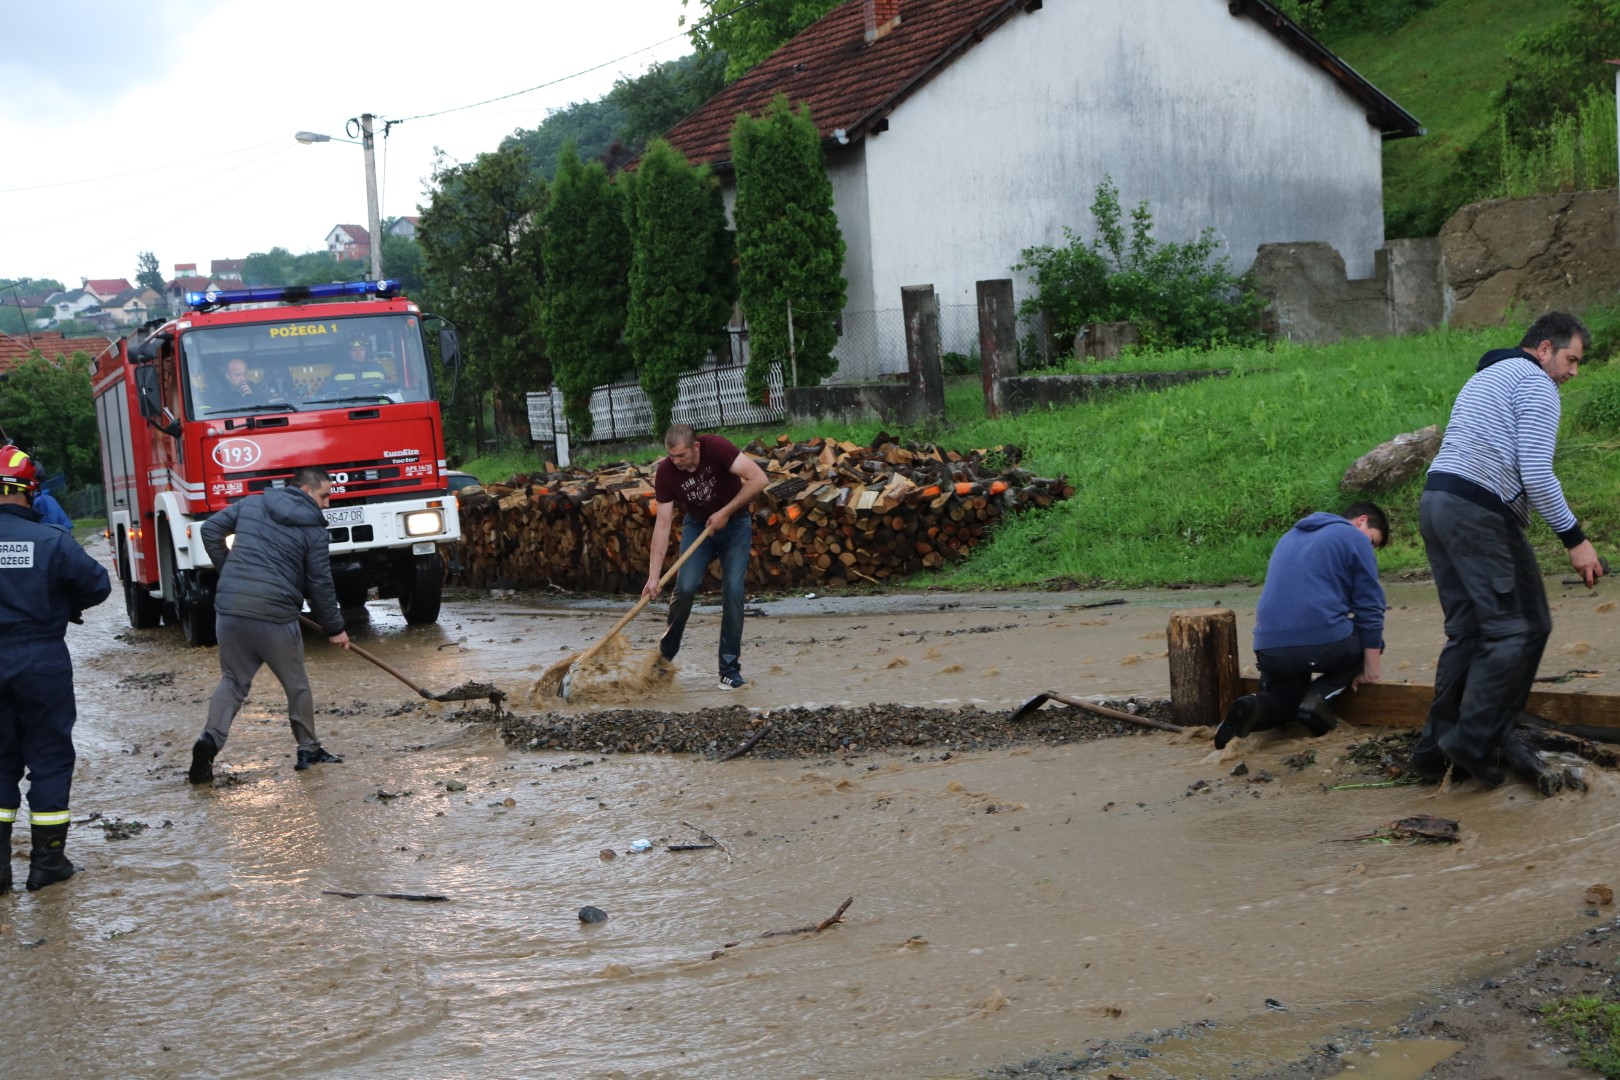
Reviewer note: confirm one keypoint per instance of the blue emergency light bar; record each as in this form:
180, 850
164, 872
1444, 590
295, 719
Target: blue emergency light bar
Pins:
291, 293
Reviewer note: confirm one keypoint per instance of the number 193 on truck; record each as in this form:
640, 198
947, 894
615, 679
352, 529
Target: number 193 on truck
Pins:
249, 385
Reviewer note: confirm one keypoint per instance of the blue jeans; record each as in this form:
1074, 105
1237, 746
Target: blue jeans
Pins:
732, 546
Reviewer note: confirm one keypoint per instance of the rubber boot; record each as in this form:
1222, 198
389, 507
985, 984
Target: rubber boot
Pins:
48, 862
1244, 716
5, 852
203, 752
1316, 714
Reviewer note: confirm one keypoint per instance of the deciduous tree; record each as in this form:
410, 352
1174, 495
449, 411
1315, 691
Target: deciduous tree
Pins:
48, 412
480, 237
586, 252
789, 246
748, 31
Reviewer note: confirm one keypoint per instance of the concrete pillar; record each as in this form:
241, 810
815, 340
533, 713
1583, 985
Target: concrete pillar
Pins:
998, 339
921, 310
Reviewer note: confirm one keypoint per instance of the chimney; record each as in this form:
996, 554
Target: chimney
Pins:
881, 17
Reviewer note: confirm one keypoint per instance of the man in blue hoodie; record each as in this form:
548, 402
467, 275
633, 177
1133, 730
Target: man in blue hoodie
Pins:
278, 558
1322, 610
1495, 467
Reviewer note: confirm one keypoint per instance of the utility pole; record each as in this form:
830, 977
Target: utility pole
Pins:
373, 222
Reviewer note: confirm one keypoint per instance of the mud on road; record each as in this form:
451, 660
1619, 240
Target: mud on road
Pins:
1038, 900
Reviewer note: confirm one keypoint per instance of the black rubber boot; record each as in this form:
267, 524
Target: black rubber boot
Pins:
317, 756
203, 752
1241, 719
48, 863
1316, 714
5, 853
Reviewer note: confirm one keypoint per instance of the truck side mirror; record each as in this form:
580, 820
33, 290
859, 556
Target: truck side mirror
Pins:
147, 391
150, 396
145, 352
449, 348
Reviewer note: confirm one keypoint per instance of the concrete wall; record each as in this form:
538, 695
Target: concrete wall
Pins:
1314, 300
1493, 262
1202, 113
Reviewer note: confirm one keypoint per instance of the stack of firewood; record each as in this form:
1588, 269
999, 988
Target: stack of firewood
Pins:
833, 513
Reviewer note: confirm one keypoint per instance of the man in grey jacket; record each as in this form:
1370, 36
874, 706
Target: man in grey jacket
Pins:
278, 558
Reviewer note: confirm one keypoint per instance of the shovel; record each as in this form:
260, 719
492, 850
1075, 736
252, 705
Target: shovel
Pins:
560, 671
465, 692
1080, 703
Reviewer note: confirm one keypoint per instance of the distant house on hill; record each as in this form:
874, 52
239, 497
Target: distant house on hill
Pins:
349, 242
14, 351
957, 133
178, 288
404, 226
225, 269
104, 289
132, 307
74, 304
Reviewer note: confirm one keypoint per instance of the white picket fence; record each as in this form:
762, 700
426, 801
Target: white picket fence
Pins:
709, 398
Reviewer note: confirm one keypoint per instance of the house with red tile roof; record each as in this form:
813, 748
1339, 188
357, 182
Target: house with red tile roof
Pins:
958, 133
404, 226
226, 269
104, 289
14, 351
349, 242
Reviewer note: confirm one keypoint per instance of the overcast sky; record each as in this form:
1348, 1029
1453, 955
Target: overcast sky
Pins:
167, 125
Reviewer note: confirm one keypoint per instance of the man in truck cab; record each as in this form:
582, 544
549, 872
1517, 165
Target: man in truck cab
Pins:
46, 580
358, 373
231, 387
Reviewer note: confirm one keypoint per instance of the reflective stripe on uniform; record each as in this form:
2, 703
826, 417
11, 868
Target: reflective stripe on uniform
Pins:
48, 817
8, 816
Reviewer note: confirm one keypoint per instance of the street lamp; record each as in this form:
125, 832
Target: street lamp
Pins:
372, 221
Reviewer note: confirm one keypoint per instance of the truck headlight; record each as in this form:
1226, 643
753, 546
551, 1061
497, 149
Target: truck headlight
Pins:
424, 523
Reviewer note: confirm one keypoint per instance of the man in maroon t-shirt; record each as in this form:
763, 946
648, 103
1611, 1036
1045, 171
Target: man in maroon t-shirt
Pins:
714, 482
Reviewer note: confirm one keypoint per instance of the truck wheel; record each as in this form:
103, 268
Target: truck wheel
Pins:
143, 609
423, 589
197, 618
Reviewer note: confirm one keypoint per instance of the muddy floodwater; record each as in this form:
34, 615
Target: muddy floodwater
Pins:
1129, 902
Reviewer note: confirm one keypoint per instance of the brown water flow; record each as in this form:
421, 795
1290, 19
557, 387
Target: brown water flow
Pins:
1006, 904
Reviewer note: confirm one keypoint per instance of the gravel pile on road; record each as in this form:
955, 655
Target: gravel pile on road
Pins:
797, 733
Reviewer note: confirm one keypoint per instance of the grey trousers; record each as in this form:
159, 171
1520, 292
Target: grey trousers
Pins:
1497, 624
245, 645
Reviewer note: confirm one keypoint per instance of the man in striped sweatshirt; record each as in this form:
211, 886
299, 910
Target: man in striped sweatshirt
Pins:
1494, 467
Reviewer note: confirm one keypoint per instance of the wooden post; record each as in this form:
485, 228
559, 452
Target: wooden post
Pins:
1203, 665
921, 310
998, 339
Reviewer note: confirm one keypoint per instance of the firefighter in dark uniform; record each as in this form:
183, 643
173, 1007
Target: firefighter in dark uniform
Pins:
46, 580
360, 374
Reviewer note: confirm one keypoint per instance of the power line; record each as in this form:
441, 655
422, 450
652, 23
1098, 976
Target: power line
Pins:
135, 172
598, 67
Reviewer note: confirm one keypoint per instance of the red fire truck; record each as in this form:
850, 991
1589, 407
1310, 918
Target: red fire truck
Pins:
228, 399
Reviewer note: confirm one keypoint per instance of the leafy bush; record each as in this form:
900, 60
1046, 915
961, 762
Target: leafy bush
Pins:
1175, 294
957, 363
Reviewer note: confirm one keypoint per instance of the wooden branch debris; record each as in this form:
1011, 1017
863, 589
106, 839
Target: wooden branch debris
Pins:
704, 834
426, 898
813, 928
831, 513
1422, 827
748, 743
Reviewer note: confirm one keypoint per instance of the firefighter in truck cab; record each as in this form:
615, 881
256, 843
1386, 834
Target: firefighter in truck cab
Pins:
46, 581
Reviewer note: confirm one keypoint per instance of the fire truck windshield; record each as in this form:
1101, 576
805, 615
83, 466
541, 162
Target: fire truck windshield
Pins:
304, 364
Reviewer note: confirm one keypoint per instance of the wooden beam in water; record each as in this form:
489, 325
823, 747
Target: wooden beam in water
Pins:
1405, 705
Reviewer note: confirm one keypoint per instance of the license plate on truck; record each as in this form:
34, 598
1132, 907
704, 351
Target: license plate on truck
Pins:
349, 515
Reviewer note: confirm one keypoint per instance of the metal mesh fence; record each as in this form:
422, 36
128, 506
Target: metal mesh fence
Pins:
709, 398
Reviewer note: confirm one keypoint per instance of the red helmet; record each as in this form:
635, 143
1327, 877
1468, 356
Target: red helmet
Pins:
17, 472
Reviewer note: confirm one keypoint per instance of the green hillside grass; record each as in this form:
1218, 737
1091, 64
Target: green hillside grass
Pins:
1193, 485
1444, 67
